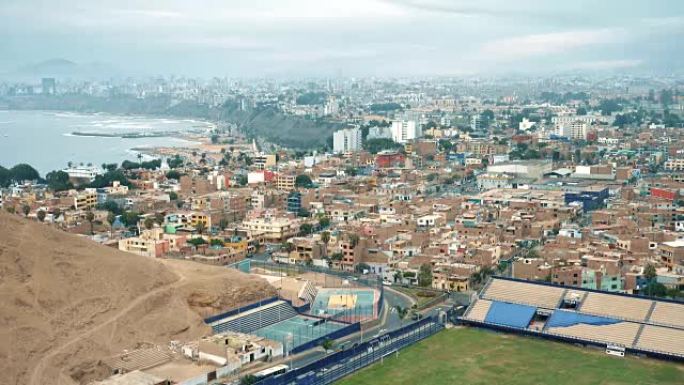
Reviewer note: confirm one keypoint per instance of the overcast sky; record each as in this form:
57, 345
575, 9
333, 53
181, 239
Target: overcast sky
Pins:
356, 37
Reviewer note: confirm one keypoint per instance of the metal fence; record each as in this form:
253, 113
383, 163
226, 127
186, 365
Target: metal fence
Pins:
337, 365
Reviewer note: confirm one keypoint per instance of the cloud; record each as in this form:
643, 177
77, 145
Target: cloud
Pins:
549, 43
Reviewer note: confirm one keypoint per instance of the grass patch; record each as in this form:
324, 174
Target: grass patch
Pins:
477, 356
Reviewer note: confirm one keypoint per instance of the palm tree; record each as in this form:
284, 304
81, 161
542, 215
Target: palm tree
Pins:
325, 237
41, 215
26, 210
353, 240
90, 217
111, 218
140, 156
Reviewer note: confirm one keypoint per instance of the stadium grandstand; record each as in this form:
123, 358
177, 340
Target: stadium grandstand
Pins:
618, 322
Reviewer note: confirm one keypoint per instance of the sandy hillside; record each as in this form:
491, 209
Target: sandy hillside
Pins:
66, 302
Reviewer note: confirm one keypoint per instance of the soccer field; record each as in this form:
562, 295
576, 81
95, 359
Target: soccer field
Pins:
476, 356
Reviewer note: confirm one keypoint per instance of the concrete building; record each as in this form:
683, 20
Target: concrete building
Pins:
347, 140
405, 130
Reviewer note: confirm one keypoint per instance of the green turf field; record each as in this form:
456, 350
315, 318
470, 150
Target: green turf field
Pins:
476, 356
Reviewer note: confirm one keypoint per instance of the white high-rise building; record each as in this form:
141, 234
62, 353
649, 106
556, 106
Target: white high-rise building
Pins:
576, 130
347, 140
405, 130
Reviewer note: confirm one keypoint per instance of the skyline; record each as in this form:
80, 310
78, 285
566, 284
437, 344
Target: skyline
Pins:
356, 38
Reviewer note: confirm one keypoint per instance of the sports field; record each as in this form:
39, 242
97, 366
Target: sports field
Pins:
476, 356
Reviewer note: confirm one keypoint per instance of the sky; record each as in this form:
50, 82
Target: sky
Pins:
270, 38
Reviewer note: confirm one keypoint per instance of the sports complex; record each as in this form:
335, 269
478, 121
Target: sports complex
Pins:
306, 311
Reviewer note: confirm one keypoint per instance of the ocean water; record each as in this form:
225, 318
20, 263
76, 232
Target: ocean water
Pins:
44, 139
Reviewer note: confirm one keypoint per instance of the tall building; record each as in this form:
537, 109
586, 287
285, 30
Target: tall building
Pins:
347, 140
576, 130
405, 130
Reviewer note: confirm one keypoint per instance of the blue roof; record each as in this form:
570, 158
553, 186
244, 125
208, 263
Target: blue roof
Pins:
509, 314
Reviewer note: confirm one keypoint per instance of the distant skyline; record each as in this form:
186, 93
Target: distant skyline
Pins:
355, 37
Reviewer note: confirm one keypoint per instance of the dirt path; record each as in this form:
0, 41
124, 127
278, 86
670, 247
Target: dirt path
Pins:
37, 373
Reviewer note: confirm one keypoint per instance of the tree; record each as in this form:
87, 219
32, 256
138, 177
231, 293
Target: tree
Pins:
287, 246
130, 218
173, 196
327, 344
353, 240
200, 227
197, 241
303, 181
325, 237
650, 274
5, 177
402, 312
248, 380
425, 275
217, 242
173, 174
140, 156
56, 213
41, 215
111, 218
149, 223
26, 210
90, 217
22, 172
324, 222
159, 218
58, 181
361, 268
306, 228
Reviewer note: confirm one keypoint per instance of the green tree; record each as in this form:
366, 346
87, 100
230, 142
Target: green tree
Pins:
425, 275
248, 380
40, 215
324, 222
26, 209
173, 174
173, 195
217, 242
353, 240
327, 344
5, 177
361, 267
111, 218
90, 217
303, 181
22, 172
306, 228
200, 227
149, 223
325, 237
58, 181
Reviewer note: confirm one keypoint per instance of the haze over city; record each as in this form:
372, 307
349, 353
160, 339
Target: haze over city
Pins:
327, 192
351, 37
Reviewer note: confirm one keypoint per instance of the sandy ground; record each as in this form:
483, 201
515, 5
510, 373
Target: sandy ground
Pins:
66, 302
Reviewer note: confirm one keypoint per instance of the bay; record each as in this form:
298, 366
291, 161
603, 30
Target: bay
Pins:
46, 140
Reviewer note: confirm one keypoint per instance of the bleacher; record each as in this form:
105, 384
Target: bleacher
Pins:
138, 359
648, 326
661, 339
633, 309
666, 313
622, 333
478, 311
254, 319
523, 293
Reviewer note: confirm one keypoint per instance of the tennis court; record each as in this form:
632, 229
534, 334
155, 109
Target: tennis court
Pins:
349, 305
298, 330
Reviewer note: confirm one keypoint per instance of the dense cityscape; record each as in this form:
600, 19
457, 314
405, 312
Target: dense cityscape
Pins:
315, 224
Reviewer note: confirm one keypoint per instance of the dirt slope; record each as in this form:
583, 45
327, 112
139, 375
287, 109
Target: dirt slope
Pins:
66, 302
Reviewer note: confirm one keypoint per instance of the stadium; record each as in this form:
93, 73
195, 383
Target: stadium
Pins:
619, 323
